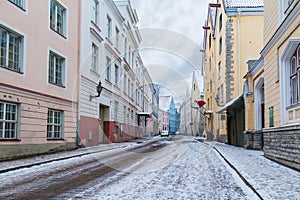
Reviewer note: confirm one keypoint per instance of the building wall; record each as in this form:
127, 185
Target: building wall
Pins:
281, 138
185, 117
30, 88
235, 39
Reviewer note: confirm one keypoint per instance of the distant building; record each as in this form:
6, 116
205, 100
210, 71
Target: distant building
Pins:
197, 113
166, 103
186, 114
163, 117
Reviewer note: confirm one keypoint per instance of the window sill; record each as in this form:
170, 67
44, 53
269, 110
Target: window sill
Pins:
62, 86
55, 139
10, 140
58, 33
13, 70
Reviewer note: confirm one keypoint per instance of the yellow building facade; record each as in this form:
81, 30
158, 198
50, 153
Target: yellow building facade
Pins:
233, 35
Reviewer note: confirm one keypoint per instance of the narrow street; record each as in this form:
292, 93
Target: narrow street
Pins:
161, 168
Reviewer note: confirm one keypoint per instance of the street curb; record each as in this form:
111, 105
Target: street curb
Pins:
235, 169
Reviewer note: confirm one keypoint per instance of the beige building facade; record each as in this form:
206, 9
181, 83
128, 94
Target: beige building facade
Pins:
274, 84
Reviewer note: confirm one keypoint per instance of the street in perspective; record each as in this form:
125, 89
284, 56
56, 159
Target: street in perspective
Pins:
139, 99
179, 167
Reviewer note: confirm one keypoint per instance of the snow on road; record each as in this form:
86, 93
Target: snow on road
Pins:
181, 170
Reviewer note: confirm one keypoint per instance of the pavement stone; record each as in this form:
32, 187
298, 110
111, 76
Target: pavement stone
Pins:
270, 179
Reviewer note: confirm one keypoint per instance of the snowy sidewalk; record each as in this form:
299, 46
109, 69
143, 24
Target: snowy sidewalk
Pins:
270, 179
41, 159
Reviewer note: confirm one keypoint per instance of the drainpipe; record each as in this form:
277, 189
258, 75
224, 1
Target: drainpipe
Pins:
239, 49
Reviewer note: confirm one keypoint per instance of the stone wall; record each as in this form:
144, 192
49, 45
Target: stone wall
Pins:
253, 140
283, 146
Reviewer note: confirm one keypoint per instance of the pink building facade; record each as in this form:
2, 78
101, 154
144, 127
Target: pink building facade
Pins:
38, 76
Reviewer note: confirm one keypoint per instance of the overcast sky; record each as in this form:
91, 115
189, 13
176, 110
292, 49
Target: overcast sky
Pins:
172, 38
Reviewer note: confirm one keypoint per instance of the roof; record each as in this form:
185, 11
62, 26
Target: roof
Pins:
243, 3
231, 103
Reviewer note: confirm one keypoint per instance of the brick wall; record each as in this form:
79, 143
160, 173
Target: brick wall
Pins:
283, 146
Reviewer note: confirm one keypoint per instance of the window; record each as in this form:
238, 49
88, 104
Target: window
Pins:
128, 89
124, 114
132, 93
287, 4
295, 77
56, 69
108, 27
108, 63
117, 37
293, 81
209, 41
220, 23
129, 56
116, 110
19, 3
96, 11
10, 50
8, 120
116, 74
219, 69
94, 57
222, 93
220, 46
54, 124
57, 17
124, 83
125, 48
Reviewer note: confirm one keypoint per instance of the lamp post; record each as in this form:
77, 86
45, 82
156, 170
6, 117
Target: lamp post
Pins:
99, 90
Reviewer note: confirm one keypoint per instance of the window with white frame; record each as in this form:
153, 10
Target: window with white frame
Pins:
108, 68
94, 57
116, 110
125, 48
8, 120
11, 45
19, 3
56, 73
295, 77
132, 89
55, 124
58, 17
96, 11
124, 83
117, 37
116, 74
287, 4
128, 89
108, 26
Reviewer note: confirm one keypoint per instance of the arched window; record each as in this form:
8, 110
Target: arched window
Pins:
290, 82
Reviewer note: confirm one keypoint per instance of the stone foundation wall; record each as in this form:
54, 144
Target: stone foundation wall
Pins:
253, 140
283, 146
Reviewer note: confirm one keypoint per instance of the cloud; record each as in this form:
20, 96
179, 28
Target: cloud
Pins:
172, 38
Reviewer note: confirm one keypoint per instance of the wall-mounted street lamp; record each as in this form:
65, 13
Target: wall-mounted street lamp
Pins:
99, 90
218, 101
